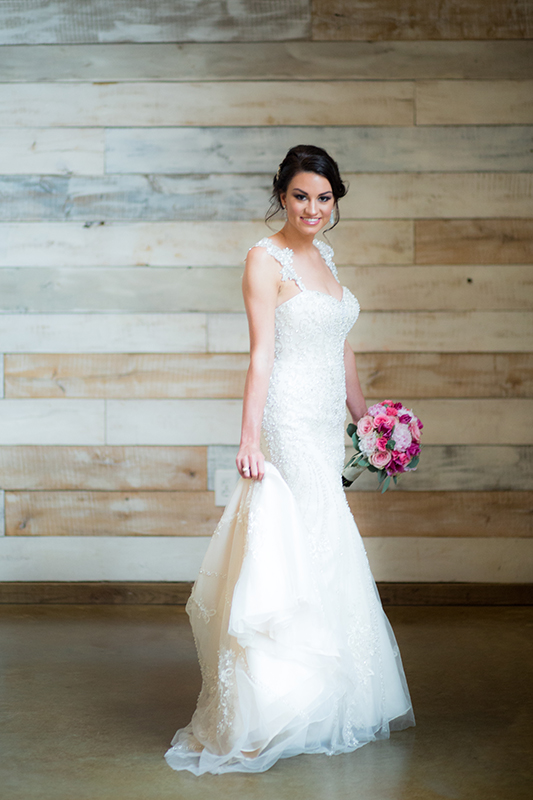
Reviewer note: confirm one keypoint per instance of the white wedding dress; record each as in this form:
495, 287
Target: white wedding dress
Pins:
296, 653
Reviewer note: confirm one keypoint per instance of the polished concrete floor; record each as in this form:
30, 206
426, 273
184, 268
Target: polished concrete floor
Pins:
91, 696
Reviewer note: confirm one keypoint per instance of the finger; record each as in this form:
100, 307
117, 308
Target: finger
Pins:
245, 472
253, 468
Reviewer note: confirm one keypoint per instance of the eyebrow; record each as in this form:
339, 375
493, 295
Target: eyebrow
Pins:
328, 191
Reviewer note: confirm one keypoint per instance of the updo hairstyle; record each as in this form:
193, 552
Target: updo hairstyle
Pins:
306, 158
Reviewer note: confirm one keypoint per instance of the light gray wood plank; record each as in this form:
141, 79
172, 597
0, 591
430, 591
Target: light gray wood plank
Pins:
406, 331
357, 149
203, 422
452, 468
246, 197
103, 333
50, 421
104, 468
173, 422
168, 244
241, 103
2, 513
120, 289
52, 151
43, 22
393, 60
134, 197
422, 19
218, 289
474, 102
427, 195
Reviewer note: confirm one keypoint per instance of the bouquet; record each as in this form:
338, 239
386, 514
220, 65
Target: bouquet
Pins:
386, 441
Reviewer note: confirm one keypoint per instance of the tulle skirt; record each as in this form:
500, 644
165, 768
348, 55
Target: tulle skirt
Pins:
296, 653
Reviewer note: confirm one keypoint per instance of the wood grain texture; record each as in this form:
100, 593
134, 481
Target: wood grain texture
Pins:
104, 468
392, 60
82, 513
474, 102
426, 195
187, 244
103, 333
419, 19
176, 289
135, 197
241, 103
152, 375
495, 241
433, 514
171, 422
357, 149
50, 421
404, 331
462, 468
122, 375
61, 21
246, 197
52, 151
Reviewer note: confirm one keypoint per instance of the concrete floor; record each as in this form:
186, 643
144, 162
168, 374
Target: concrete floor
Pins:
91, 696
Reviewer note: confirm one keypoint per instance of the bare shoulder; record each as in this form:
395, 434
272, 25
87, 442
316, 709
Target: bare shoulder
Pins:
261, 267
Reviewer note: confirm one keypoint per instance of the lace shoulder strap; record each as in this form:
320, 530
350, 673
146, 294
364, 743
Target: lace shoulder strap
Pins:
284, 256
327, 254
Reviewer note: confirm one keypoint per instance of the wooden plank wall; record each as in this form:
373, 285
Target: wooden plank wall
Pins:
137, 146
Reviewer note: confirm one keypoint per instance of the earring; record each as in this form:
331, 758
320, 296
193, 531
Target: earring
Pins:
284, 212
332, 218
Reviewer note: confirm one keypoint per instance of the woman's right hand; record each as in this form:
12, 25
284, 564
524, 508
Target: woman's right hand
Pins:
250, 462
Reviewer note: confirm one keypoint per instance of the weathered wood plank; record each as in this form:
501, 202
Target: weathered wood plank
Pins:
50, 421
495, 241
171, 422
82, 513
462, 468
60, 22
103, 333
135, 197
485, 194
425, 288
393, 60
443, 468
404, 331
240, 103
104, 468
152, 375
474, 102
51, 151
121, 375
357, 149
246, 197
200, 422
132, 290
177, 289
432, 514
420, 19
187, 244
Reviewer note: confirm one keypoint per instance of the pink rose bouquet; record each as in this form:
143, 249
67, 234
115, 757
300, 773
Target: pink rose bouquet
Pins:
386, 441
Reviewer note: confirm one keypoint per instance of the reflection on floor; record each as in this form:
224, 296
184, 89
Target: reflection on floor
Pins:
93, 694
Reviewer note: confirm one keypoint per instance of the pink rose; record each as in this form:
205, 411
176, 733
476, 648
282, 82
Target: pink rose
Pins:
384, 423
365, 425
393, 411
380, 459
414, 430
381, 443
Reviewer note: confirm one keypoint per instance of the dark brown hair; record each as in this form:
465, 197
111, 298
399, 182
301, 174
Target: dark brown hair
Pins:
306, 158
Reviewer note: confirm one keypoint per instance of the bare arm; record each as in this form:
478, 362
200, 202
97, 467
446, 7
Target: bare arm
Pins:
260, 290
354, 394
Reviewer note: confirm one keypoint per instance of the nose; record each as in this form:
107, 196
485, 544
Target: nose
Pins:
311, 207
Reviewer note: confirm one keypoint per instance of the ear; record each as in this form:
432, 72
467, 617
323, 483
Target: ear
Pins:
283, 199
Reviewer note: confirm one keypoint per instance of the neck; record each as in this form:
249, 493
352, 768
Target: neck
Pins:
296, 240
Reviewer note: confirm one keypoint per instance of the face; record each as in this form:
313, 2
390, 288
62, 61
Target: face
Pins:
309, 202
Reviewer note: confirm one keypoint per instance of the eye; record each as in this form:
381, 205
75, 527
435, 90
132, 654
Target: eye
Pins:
324, 198
300, 196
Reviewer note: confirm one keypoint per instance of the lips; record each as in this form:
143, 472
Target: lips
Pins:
310, 220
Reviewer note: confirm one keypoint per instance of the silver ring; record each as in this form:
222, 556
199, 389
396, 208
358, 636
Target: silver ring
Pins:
246, 471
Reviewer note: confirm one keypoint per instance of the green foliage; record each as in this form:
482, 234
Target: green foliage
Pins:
351, 429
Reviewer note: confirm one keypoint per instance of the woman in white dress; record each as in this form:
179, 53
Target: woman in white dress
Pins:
297, 655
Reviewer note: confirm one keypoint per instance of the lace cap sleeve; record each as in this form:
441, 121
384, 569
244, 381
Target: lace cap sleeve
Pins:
327, 254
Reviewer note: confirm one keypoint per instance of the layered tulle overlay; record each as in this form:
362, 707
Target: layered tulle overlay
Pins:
297, 655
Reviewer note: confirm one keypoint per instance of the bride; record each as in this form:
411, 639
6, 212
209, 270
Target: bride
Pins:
296, 653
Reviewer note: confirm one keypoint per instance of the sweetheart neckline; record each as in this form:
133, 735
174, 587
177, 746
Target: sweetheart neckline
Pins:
313, 291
